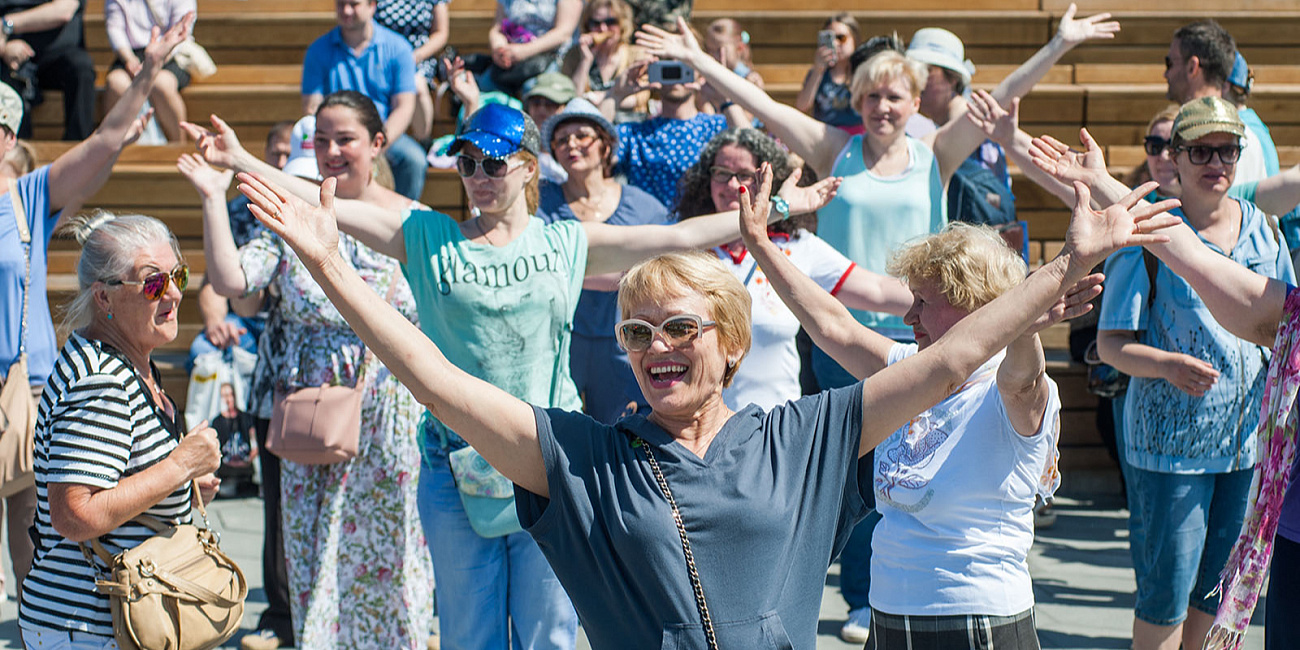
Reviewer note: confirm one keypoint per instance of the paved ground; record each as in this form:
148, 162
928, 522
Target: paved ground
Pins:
1083, 581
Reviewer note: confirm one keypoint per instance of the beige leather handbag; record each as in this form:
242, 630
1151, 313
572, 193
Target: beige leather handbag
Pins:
17, 406
175, 591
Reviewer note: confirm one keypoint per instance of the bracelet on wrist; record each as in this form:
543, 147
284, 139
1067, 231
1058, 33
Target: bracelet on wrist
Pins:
782, 207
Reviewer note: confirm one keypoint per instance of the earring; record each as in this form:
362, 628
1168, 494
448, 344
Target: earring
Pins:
110, 315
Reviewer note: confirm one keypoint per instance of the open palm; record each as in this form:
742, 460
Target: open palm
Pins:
311, 231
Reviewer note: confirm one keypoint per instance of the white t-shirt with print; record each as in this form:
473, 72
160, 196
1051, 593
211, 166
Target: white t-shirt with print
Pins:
955, 489
769, 374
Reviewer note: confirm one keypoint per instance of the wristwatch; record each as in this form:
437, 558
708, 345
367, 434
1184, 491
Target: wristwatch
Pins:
781, 206
6, 27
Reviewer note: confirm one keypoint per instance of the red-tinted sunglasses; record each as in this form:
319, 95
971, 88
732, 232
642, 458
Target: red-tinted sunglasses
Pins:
155, 284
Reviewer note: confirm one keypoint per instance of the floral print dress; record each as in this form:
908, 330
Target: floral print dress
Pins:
359, 569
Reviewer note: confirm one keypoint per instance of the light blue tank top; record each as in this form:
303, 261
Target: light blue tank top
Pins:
871, 216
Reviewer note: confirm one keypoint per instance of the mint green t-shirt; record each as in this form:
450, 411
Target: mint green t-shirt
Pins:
504, 315
871, 216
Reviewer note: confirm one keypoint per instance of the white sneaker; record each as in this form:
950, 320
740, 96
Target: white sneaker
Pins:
858, 628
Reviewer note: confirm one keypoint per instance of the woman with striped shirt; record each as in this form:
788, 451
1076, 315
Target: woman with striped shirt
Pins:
108, 443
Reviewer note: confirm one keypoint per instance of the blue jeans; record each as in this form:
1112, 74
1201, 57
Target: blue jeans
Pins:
493, 594
855, 559
66, 640
1181, 532
407, 159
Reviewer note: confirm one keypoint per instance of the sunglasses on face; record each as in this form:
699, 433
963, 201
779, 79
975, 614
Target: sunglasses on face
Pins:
636, 335
1200, 154
1169, 63
842, 38
722, 176
492, 167
155, 284
1154, 145
595, 23
576, 139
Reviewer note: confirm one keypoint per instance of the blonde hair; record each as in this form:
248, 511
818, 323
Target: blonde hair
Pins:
971, 264
109, 245
532, 192
887, 66
21, 159
686, 273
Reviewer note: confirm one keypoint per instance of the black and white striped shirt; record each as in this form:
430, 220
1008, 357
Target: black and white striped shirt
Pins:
96, 425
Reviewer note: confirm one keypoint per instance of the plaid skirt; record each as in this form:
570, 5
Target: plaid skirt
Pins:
973, 632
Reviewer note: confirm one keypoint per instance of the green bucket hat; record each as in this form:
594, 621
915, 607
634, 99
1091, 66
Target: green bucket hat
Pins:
1201, 117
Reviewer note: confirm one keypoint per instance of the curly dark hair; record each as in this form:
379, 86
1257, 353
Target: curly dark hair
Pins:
695, 199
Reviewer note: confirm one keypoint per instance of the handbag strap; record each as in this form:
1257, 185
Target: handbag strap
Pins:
24, 234
696, 587
148, 521
156, 15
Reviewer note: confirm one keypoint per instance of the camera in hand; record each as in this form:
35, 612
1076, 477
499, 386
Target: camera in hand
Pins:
668, 73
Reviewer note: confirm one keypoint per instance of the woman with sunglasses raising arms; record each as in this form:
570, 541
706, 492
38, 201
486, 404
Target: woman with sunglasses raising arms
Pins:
109, 445
695, 526
1191, 408
358, 570
31, 208
498, 293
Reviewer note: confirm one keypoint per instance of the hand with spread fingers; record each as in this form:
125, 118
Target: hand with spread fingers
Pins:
219, 145
1094, 234
1067, 165
1074, 32
664, 44
161, 45
998, 124
810, 198
311, 231
1077, 302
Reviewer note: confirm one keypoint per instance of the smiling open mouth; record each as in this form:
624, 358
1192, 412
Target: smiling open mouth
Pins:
667, 373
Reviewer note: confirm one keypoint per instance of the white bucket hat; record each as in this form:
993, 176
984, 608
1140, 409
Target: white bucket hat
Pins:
938, 46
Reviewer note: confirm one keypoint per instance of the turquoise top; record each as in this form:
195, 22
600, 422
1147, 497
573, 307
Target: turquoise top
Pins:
1257, 127
504, 315
871, 216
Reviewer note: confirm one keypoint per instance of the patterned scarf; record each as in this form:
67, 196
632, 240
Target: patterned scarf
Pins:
1243, 576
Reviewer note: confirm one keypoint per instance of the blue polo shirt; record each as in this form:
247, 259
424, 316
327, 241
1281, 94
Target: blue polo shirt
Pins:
384, 69
655, 153
1167, 430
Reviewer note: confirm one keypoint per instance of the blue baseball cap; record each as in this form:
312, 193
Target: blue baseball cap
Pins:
1240, 75
498, 131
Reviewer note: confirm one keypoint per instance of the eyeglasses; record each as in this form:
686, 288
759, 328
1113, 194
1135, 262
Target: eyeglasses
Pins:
577, 138
722, 176
595, 23
1155, 144
492, 167
636, 335
1169, 63
155, 284
1200, 154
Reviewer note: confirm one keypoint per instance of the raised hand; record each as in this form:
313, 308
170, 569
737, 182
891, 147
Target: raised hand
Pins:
1067, 165
220, 146
160, 47
1077, 302
311, 231
753, 220
997, 123
664, 44
1093, 235
812, 198
208, 182
462, 84
1074, 31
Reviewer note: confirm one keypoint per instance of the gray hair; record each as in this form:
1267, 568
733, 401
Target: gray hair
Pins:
109, 245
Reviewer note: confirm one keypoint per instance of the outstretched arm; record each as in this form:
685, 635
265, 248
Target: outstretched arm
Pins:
859, 350
1002, 125
617, 248
499, 426
79, 173
376, 227
957, 139
223, 273
816, 142
902, 390
1242, 301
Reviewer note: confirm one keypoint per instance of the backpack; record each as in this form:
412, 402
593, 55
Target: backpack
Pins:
976, 195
